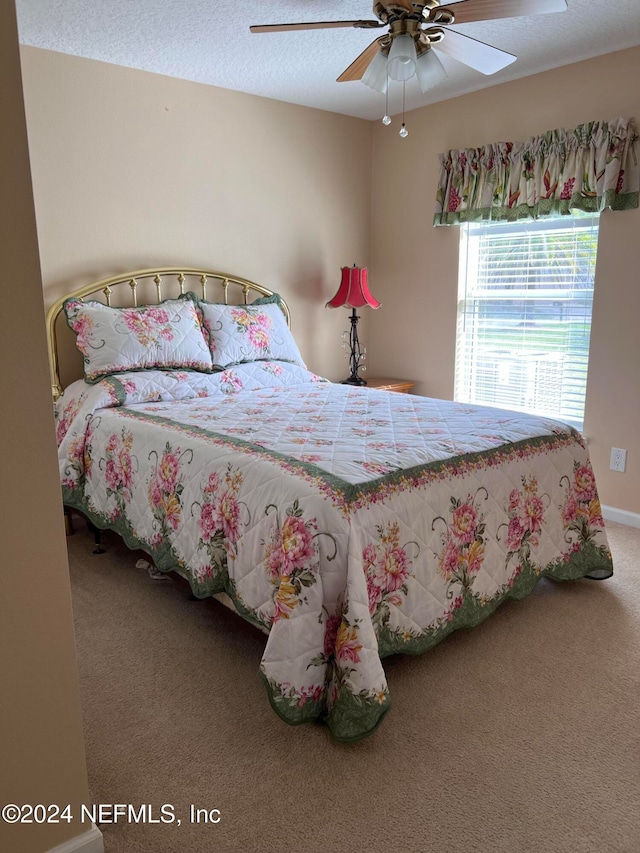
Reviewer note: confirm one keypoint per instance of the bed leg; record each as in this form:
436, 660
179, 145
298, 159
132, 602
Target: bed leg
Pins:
97, 538
68, 522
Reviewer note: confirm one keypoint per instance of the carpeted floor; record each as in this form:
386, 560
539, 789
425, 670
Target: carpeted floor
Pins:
522, 734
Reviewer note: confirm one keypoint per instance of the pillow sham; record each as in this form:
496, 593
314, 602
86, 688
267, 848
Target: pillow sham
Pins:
112, 340
255, 332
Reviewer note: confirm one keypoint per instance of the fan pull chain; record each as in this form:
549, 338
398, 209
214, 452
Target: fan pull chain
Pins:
386, 119
403, 130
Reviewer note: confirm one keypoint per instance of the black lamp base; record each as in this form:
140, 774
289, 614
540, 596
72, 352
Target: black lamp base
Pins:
356, 355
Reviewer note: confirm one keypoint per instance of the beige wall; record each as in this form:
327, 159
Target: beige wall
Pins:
414, 268
132, 169
41, 745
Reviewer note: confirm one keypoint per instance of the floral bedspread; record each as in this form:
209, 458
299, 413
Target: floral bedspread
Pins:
349, 523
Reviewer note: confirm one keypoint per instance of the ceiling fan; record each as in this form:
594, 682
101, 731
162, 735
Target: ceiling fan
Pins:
415, 28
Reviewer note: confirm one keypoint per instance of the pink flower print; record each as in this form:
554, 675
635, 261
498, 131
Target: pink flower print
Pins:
330, 634
158, 315
374, 593
258, 338
533, 512
516, 574
394, 567
585, 483
228, 516
61, 430
111, 475
68, 414
207, 522
347, 646
126, 468
155, 494
83, 327
297, 545
567, 189
514, 500
456, 604
76, 451
386, 565
134, 321
454, 200
262, 320
273, 555
369, 556
376, 468
213, 483
620, 182
515, 534
463, 523
569, 510
168, 471
448, 560
213, 346
229, 382
148, 326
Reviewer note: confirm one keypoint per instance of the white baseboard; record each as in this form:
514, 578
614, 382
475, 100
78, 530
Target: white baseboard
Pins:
88, 842
622, 516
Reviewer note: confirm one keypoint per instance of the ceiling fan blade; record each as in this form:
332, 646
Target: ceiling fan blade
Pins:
487, 10
360, 65
476, 54
315, 25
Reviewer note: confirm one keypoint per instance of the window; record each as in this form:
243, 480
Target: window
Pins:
524, 315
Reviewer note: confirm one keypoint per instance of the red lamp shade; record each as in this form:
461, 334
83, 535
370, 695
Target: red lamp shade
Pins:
354, 290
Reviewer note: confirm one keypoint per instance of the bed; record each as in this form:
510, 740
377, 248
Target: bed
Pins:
346, 523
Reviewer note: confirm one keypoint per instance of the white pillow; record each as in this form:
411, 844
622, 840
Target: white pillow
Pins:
112, 340
240, 333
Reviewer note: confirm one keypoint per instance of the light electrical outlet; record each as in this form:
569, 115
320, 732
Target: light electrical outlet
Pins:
618, 459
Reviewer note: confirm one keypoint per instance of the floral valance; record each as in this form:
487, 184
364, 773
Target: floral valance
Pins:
589, 168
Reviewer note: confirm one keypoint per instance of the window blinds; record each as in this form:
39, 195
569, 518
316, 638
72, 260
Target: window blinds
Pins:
524, 315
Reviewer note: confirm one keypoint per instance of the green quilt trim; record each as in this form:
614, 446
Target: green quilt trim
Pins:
354, 496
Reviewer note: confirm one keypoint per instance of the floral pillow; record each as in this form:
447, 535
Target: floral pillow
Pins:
240, 333
112, 340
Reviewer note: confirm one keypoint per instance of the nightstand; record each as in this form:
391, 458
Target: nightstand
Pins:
401, 386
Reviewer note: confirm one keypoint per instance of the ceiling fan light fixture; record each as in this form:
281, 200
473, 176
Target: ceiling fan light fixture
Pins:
402, 58
430, 71
376, 74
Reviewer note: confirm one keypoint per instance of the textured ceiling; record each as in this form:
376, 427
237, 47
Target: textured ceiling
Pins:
209, 41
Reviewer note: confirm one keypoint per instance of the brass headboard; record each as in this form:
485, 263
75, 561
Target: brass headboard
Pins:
152, 281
